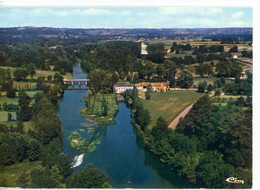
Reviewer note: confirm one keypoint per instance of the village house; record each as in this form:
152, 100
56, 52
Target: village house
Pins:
122, 87
156, 86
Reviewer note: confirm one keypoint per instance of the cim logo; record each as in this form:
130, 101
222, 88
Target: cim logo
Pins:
234, 180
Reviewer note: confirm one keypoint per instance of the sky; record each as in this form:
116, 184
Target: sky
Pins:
126, 17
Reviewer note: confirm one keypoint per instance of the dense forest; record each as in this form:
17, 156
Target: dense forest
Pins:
212, 143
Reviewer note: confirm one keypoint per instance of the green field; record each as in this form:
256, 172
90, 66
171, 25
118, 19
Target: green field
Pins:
170, 104
4, 115
12, 173
208, 80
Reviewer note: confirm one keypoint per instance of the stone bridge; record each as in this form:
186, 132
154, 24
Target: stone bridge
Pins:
78, 82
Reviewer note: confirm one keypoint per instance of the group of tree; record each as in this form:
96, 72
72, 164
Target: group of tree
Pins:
15, 147
140, 116
44, 143
239, 86
181, 47
6, 83
212, 143
247, 54
102, 81
228, 69
38, 54
204, 70
110, 56
211, 49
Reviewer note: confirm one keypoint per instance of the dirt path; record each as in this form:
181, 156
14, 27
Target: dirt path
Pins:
176, 120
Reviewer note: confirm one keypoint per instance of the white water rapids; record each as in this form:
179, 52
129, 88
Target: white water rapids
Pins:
77, 160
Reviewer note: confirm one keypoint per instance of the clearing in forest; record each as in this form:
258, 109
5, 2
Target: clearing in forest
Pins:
170, 104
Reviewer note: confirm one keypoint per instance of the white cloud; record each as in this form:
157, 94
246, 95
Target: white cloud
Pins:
125, 13
186, 10
73, 12
97, 12
238, 24
238, 15
200, 23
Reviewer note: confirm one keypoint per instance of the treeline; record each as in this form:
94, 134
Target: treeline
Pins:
122, 60
212, 143
38, 54
111, 56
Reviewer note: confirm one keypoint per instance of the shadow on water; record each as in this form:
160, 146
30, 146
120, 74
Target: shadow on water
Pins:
163, 171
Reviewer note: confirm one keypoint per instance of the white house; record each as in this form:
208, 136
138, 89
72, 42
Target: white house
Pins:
122, 87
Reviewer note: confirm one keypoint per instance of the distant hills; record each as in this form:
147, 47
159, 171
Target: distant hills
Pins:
117, 34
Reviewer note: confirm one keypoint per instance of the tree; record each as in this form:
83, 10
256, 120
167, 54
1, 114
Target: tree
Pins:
209, 88
156, 52
217, 92
185, 80
88, 177
10, 92
31, 70
202, 87
10, 118
160, 129
213, 161
233, 49
33, 150
6, 157
20, 74
42, 178
23, 179
148, 95
49, 78
25, 111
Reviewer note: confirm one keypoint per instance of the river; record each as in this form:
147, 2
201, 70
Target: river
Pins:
120, 153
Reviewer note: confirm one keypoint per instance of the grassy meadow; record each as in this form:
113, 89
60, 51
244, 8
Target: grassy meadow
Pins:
169, 104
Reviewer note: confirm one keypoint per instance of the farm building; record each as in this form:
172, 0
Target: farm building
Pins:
121, 87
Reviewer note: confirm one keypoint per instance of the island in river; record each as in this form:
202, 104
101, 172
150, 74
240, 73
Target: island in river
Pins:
100, 108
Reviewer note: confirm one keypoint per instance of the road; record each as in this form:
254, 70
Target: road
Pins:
175, 122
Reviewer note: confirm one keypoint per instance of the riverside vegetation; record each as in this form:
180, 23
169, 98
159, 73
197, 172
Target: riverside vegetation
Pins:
31, 150
212, 143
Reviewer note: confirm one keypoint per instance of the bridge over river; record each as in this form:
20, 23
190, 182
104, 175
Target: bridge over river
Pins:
74, 82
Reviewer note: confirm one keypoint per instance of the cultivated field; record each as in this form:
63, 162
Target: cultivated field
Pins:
170, 104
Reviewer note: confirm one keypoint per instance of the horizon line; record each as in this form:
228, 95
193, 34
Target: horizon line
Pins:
240, 27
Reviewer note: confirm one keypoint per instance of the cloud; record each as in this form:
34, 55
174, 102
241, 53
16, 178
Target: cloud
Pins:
97, 12
238, 24
73, 12
188, 10
238, 15
203, 22
125, 13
